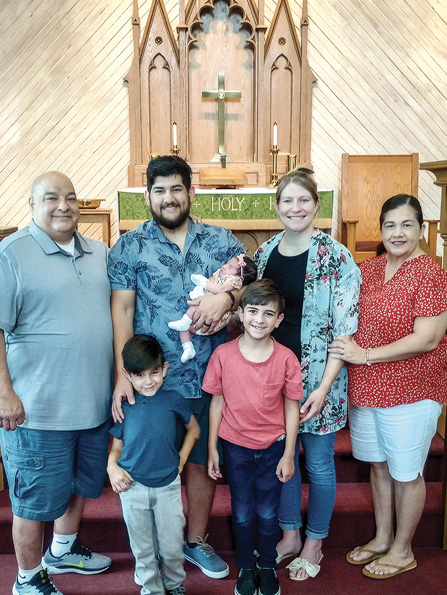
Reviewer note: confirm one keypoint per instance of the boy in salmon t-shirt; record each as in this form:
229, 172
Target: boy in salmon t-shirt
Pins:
256, 387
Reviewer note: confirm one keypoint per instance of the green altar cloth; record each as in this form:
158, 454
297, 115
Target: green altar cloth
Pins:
242, 204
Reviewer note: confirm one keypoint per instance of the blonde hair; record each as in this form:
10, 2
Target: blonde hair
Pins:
302, 177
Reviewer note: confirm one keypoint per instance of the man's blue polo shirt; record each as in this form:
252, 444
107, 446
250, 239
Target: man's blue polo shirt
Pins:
145, 261
55, 311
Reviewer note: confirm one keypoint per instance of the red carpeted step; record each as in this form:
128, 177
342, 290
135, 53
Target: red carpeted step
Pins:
335, 578
352, 522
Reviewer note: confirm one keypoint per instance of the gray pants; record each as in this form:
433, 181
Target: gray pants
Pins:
155, 523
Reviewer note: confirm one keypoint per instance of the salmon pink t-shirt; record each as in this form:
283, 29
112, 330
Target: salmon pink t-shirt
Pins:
253, 410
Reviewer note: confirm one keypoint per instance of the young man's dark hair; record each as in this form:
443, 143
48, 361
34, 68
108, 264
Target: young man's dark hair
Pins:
168, 165
263, 292
142, 352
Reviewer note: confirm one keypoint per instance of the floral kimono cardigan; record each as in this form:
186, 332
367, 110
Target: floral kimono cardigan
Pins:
330, 309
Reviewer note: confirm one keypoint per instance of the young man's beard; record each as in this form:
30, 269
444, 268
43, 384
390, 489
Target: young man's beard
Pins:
171, 223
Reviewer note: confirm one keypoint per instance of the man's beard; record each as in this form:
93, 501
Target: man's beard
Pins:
171, 223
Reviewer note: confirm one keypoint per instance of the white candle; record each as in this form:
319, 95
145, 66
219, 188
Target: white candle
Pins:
275, 134
174, 134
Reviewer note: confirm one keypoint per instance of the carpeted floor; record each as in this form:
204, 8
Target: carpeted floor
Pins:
352, 524
336, 578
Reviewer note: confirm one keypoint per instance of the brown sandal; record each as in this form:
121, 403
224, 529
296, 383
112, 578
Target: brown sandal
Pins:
374, 556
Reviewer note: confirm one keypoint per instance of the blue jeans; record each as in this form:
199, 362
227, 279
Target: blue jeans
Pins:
255, 492
319, 461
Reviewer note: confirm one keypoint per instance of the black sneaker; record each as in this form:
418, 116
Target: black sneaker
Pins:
268, 582
177, 591
246, 582
40, 584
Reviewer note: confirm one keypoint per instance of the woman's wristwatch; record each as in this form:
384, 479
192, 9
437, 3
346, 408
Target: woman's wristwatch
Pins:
367, 350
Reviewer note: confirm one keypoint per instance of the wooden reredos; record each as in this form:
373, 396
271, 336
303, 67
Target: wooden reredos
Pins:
269, 68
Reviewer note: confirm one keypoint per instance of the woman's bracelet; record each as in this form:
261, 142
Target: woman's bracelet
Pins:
367, 350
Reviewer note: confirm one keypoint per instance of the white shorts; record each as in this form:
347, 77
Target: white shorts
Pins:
399, 435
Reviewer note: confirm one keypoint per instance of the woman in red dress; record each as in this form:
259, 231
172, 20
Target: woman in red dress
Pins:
397, 381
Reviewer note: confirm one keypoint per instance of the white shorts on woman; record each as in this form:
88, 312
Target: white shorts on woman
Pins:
399, 435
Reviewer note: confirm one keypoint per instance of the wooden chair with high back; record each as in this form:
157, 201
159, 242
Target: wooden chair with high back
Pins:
367, 182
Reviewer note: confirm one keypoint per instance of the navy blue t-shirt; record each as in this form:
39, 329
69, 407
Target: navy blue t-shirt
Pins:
148, 431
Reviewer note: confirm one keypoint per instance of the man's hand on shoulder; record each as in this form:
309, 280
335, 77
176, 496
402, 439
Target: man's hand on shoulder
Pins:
123, 392
12, 412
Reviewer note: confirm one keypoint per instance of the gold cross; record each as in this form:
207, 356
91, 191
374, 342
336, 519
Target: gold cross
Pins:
221, 95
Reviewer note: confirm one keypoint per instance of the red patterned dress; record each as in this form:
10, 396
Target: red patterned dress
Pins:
387, 313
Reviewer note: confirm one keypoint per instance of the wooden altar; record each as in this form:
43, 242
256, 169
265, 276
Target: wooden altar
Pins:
6, 231
173, 84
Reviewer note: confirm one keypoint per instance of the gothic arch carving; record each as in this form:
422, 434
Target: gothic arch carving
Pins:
256, 60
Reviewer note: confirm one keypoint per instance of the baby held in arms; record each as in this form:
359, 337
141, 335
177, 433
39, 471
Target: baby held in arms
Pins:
238, 271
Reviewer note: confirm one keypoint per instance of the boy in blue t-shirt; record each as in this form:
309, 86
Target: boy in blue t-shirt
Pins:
144, 466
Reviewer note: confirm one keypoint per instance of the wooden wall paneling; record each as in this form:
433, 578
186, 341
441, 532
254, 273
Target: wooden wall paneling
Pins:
62, 141
69, 125
364, 96
409, 75
380, 135
26, 83
418, 26
385, 98
63, 121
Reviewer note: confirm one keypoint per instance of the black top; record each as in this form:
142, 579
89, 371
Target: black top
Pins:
289, 272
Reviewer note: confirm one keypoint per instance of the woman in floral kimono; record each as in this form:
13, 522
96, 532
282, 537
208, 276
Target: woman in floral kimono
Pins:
321, 284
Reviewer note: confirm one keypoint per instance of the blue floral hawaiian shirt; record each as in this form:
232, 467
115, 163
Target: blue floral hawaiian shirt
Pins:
330, 308
145, 261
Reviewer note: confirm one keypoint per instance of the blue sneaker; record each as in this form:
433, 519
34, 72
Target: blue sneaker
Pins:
203, 556
79, 559
40, 584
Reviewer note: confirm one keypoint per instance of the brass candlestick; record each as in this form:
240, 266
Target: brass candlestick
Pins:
175, 150
274, 152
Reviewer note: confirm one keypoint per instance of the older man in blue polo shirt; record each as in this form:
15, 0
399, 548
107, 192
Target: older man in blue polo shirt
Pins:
56, 381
